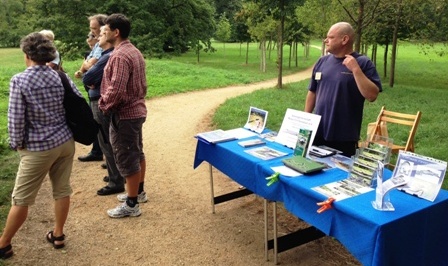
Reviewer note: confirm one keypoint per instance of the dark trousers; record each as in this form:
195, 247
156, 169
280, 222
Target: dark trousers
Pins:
96, 148
115, 178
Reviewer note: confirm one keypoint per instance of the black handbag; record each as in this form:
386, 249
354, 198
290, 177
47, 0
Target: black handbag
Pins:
78, 114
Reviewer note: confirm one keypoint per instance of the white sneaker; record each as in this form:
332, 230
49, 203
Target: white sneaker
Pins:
141, 198
123, 210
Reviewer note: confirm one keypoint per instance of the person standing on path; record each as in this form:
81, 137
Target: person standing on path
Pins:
123, 92
340, 83
95, 23
39, 132
92, 79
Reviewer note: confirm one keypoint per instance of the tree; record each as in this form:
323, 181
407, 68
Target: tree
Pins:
230, 8
326, 13
279, 10
223, 30
11, 26
158, 27
361, 14
296, 33
261, 25
241, 33
405, 19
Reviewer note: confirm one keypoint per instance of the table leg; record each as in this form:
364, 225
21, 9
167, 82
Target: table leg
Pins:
265, 207
211, 189
274, 214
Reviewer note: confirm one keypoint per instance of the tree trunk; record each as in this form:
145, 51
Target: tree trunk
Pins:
247, 53
263, 55
386, 52
290, 55
296, 55
323, 50
394, 46
198, 51
374, 50
365, 49
359, 25
280, 46
393, 57
269, 47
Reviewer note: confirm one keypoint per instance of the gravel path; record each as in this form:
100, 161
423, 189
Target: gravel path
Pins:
177, 226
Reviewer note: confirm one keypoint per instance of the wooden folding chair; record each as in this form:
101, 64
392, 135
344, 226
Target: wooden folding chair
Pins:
385, 127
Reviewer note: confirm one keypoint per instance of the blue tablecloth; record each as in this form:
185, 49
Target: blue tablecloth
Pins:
414, 234
247, 170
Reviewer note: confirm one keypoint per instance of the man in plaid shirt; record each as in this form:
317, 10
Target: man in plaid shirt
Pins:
123, 91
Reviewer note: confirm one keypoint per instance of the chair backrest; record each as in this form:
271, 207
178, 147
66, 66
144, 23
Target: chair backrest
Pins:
387, 118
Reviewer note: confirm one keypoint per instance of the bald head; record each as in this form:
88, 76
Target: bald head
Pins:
340, 39
344, 28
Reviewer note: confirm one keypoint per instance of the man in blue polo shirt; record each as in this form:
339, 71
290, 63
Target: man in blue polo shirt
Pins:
340, 83
92, 80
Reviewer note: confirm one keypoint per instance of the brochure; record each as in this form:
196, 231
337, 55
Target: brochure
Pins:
293, 121
269, 136
251, 142
342, 189
256, 121
362, 171
265, 153
215, 136
340, 161
365, 162
303, 142
241, 133
425, 174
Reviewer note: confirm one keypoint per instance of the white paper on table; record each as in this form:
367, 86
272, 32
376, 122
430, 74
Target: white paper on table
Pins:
241, 133
293, 121
286, 171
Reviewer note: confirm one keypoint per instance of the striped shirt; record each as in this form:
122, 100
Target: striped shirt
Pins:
123, 88
36, 116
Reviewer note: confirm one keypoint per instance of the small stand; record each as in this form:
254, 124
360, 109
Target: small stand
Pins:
382, 200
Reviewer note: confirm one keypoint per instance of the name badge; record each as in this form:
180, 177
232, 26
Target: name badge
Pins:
318, 76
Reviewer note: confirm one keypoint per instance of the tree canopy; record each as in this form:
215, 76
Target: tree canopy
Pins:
175, 26
157, 26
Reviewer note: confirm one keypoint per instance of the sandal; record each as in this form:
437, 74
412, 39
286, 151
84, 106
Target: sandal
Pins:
6, 252
51, 238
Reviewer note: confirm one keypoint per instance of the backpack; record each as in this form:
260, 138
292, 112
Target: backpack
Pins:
78, 114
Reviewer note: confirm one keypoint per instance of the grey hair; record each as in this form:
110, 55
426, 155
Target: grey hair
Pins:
38, 47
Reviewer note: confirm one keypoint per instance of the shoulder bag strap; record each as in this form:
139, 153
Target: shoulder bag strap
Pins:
65, 82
